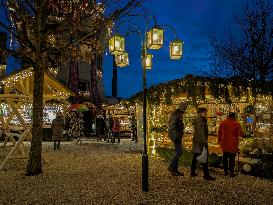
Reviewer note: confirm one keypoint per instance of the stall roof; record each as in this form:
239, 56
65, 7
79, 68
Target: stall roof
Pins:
21, 82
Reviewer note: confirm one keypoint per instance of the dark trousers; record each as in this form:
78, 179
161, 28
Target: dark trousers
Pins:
229, 161
99, 133
116, 135
57, 144
194, 163
178, 153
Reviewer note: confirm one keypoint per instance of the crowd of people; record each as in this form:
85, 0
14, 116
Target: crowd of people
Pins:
106, 128
229, 133
109, 129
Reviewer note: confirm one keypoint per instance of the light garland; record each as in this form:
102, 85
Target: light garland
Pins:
9, 81
56, 92
50, 111
217, 111
54, 70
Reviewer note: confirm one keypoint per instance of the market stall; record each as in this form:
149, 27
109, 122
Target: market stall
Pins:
124, 114
16, 106
254, 113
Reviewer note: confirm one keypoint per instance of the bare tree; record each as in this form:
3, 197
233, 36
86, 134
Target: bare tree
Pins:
246, 50
49, 32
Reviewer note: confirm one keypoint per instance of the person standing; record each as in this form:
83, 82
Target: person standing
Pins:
100, 126
109, 125
176, 132
133, 127
199, 142
57, 130
229, 133
116, 130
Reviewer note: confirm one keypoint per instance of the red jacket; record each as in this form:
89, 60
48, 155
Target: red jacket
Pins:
116, 126
228, 135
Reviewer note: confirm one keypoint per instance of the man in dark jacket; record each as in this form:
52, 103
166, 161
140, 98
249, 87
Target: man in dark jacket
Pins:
100, 126
175, 132
199, 141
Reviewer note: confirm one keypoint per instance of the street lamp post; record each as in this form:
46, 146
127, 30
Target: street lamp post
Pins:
145, 164
153, 39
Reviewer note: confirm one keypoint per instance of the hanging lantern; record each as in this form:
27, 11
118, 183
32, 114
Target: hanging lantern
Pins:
148, 61
155, 38
116, 44
122, 59
176, 49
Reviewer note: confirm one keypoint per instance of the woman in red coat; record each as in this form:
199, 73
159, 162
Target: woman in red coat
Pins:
228, 138
116, 129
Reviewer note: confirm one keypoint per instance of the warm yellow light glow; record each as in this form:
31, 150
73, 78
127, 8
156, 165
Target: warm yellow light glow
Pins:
116, 45
176, 49
148, 61
122, 60
155, 38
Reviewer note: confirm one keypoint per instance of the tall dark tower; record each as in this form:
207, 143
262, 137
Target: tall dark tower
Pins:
3, 56
114, 79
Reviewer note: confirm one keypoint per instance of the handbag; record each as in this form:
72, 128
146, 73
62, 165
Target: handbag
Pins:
204, 156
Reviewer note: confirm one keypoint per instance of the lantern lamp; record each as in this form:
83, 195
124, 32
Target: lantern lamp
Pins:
122, 59
176, 49
116, 44
148, 61
155, 38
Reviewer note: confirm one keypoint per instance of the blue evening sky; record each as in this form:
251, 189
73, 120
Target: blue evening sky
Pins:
195, 21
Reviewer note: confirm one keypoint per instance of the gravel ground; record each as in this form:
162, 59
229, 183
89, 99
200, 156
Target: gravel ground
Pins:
100, 173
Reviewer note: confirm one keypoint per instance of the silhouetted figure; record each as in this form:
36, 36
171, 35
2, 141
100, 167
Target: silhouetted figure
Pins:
57, 130
199, 142
176, 132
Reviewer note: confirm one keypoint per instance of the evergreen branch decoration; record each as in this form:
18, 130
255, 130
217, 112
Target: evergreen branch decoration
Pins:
195, 87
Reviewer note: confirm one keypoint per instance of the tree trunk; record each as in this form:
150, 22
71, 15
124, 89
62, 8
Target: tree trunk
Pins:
34, 166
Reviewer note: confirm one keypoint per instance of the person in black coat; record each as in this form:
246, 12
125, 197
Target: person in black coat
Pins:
100, 127
176, 132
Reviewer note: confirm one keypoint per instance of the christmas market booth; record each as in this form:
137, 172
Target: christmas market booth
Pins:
124, 112
16, 105
220, 96
79, 119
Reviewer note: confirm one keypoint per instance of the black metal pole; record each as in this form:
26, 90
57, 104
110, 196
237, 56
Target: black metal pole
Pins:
145, 164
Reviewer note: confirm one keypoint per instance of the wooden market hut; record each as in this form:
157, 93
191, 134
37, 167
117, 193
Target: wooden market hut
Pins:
16, 103
219, 96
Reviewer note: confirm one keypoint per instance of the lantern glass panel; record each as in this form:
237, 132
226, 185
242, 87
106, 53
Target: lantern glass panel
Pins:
176, 49
116, 45
122, 60
155, 38
148, 61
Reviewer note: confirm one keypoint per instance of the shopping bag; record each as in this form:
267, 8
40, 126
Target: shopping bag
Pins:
204, 156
